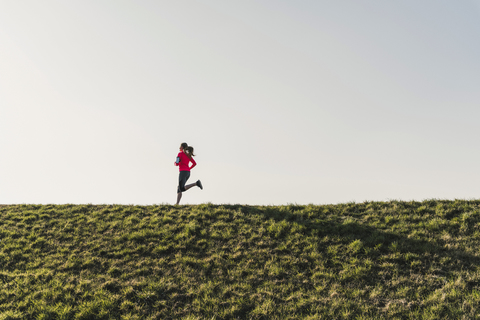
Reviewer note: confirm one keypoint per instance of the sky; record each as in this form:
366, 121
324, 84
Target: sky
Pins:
285, 102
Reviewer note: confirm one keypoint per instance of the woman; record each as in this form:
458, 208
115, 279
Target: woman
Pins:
184, 157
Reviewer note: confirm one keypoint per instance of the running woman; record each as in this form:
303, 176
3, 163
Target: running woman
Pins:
184, 157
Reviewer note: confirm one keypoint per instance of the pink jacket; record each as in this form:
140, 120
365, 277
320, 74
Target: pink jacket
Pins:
184, 161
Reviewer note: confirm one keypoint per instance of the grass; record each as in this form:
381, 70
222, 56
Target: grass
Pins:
372, 260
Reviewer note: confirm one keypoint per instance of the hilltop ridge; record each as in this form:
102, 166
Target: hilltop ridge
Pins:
396, 259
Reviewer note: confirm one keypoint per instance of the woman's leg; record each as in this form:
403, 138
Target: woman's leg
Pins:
188, 186
179, 196
182, 179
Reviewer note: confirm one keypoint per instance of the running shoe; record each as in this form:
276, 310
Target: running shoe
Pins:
199, 184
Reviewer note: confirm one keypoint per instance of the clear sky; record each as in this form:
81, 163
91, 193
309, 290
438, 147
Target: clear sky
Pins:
284, 101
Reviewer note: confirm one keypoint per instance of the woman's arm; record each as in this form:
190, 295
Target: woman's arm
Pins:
193, 163
177, 161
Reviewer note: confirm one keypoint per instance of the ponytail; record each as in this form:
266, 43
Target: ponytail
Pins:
187, 149
190, 152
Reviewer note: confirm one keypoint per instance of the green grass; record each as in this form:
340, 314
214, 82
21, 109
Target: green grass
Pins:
372, 260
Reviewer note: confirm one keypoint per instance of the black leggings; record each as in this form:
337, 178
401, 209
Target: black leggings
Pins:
182, 179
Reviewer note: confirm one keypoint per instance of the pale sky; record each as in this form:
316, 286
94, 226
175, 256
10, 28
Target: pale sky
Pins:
284, 101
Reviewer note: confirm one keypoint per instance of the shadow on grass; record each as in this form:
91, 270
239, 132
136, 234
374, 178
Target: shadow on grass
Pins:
409, 255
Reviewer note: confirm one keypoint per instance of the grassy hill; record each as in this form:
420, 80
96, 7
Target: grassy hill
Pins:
392, 260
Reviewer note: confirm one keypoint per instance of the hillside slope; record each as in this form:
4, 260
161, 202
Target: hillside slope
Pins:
405, 260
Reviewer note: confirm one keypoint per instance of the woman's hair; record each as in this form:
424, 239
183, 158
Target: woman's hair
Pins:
188, 150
